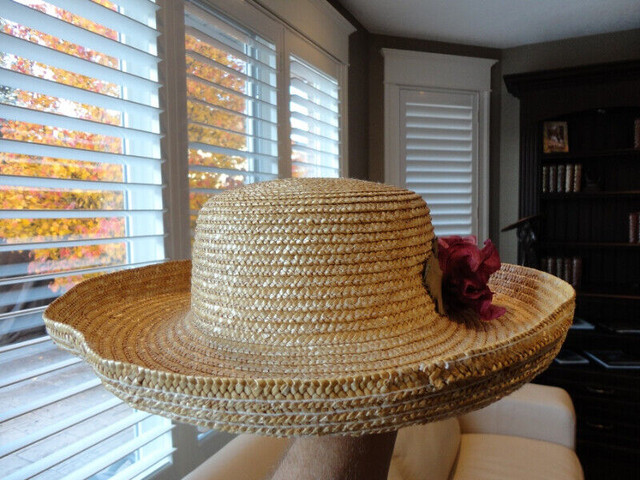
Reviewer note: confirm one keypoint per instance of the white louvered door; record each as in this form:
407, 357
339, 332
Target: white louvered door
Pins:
439, 149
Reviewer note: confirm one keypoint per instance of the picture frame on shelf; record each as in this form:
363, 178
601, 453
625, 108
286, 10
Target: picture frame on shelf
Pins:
555, 137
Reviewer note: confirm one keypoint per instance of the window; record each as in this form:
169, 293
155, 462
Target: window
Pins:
81, 195
262, 102
232, 106
315, 121
97, 165
243, 127
436, 135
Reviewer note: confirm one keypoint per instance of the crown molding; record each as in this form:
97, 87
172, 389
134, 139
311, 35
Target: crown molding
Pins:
520, 84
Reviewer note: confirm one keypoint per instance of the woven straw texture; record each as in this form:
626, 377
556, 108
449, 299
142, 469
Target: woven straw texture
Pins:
305, 314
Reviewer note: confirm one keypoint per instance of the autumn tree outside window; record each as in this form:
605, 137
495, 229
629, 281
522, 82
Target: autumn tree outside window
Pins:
232, 106
80, 195
262, 103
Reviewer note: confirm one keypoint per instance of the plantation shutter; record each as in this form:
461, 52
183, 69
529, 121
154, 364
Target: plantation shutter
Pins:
232, 106
439, 135
80, 195
315, 121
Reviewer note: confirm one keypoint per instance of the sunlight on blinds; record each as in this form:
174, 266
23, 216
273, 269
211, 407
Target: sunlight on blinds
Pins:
81, 194
231, 106
315, 121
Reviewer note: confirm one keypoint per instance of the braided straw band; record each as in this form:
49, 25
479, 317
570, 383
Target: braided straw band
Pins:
325, 328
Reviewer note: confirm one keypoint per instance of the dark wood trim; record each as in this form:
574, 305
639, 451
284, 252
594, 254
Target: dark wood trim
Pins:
520, 84
342, 10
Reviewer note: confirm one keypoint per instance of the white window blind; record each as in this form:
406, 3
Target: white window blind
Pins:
80, 195
232, 105
439, 135
315, 121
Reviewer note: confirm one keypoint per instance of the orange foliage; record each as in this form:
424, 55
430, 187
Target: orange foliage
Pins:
72, 18
202, 113
56, 199
214, 181
58, 75
25, 230
191, 43
215, 96
211, 118
47, 103
35, 36
216, 74
210, 111
52, 260
38, 230
106, 3
218, 160
49, 167
219, 138
47, 135
197, 200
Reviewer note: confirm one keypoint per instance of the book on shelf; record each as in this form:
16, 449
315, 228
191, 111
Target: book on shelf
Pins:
577, 177
576, 272
569, 177
561, 178
568, 269
562, 172
634, 227
553, 178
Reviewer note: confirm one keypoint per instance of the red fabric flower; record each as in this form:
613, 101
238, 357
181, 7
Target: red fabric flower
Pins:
465, 272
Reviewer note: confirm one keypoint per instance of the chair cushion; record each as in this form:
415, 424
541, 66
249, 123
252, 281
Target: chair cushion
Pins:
246, 457
534, 411
425, 451
497, 457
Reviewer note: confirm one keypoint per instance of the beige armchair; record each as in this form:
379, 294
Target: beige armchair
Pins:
528, 435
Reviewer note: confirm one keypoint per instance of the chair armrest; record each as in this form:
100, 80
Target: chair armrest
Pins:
246, 457
535, 411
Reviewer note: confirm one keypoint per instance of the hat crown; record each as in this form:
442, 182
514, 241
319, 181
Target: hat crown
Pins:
309, 262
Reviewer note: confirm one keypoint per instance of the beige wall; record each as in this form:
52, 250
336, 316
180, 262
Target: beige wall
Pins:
543, 56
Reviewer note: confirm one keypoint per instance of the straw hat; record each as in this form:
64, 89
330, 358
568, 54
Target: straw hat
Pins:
306, 314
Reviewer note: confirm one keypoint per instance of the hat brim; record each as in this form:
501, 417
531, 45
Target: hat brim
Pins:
133, 327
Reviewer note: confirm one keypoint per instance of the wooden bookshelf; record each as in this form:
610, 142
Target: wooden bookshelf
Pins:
599, 104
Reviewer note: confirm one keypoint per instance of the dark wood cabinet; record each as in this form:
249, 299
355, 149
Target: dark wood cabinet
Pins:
583, 234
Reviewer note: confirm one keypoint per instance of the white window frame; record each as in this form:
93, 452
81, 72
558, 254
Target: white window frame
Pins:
133, 74
324, 44
411, 70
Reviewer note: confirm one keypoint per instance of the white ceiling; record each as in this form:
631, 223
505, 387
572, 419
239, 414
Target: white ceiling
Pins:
495, 23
